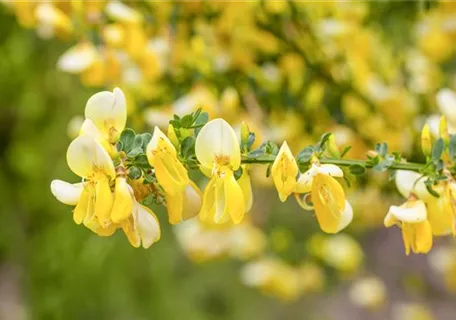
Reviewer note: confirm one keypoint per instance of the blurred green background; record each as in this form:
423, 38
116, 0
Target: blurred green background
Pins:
51, 268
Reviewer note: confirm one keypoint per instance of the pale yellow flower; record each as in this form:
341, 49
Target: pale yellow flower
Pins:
284, 171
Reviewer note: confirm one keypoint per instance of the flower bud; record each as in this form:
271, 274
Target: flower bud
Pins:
426, 143
172, 136
332, 147
245, 132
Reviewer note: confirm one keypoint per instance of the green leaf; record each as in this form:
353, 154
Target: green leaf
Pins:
323, 140
344, 151
127, 137
357, 169
200, 121
268, 170
437, 149
138, 142
271, 148
383, 165
134, 173
119, 146
187, 121
141, 161
382, 149
452, 147
146, 137
134, 152
429, 188
392, 175
187, 145
255, 153
306, 154
238, 173
251, 140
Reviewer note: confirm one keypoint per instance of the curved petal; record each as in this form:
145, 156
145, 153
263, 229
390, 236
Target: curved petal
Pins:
234, 199
86, 157
123, 201
192, 201
440, 214
217, 144
175, 206
423, 237
413, 211
284, 171
328, 198
103, 201
67, 193
346, 217
410, 181
147, 225
304, 183
108, 110
159, 141
246, 186
330, 170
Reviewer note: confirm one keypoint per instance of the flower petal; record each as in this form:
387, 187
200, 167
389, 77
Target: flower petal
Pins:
346, 217
103, 201
423, 237
217, 144
413, 211
410, 181
67, 193
108, 110
284, 171
147, 225
330, 170
78, 58
123, 201
86, 157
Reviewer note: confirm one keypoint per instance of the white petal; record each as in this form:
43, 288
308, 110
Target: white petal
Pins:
217, 142
446, 100
346, 216
85, 156
107, 109
147, 224
78, 58
330, 170
414, 214
88, 128
67, 193
304, 183
410, 181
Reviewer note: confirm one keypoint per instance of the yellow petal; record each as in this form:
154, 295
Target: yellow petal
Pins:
217, 144
423, 237
86, 157
175, 206
304, 183
284, 171
234, 198
147, 225
440, 214
208, 206
192, 201
103, 201
123, 202
446, 100
88, 128
67, 193
246, 186
108, 110
132, 233
328, 198
410, 181
171, 173
80, 211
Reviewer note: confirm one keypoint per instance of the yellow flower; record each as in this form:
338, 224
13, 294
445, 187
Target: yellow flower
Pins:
108, 111
333, 212
369, 292
284, 171
78, 58
440, 212
218, 152
183, 197
411, 217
